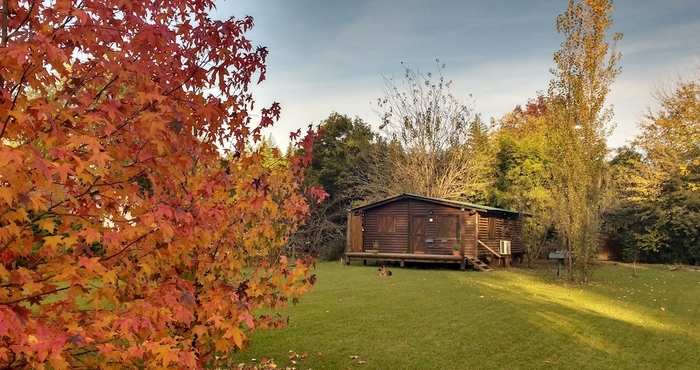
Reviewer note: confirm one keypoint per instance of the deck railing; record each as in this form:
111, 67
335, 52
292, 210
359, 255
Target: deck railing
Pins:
498, 255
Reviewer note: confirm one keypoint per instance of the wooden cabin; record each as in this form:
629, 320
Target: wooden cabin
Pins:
414, 228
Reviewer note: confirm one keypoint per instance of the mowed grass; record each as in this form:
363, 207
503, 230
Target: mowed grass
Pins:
509, 319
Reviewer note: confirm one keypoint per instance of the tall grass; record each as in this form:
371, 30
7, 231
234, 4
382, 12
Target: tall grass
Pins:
510, 319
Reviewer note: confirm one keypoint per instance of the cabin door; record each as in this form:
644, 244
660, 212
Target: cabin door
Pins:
354, 233
419, 231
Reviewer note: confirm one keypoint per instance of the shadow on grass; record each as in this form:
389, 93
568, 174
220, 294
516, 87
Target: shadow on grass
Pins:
510, 319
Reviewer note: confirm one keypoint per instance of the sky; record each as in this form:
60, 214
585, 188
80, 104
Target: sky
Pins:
332, 56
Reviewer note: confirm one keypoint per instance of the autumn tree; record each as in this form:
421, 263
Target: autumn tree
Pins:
433, 143
527, 120
579, 123
126, 239
659, 181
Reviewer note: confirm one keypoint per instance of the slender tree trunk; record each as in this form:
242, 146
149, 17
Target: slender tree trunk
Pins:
5, 15
570, 258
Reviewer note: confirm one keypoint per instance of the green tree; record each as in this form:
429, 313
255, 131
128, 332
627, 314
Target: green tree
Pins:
339, 154
629, 209
667, 186
520, 184
520, 173
578, 125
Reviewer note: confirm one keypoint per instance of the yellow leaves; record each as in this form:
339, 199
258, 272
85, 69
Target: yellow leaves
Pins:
53, 241
58, 363
10, 155
200, 331
19, 216
4, 274
167, 355
222, 345
109, 276
100, 159
47, 224
7, 194
236, 334
254, 289
72, 277
31, 287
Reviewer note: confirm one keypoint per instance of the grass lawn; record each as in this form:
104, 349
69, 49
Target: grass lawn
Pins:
509, 319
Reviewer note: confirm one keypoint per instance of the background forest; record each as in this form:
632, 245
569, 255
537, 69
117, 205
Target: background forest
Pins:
546, 158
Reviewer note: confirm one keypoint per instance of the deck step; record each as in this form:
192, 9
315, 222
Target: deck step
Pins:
478, 264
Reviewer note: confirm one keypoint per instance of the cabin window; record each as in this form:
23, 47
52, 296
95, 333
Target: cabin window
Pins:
447, 226
386, 224
492, 228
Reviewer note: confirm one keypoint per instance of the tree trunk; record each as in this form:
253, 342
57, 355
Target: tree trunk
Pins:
5, 15
570, 258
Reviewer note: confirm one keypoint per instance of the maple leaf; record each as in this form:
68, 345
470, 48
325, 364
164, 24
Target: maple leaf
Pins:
76, 340
9, 155
64, 170
53, 241
91, 235
258, 202
43, 167
91, 264
318, 193
167, 355
47, 224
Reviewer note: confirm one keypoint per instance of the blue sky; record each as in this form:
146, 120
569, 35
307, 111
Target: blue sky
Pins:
331, 56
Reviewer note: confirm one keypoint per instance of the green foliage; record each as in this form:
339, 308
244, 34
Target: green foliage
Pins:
658, 202
577, 123
520, 176
339, 154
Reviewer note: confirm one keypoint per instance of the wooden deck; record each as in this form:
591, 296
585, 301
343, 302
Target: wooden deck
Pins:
406, 257
402, 258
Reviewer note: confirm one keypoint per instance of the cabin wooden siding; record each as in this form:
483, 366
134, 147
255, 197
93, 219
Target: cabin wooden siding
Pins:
449, 226
416, 226
469, 241
389, 242
503, 228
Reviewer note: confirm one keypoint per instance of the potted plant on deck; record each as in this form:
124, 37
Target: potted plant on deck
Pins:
375, 247
456, 249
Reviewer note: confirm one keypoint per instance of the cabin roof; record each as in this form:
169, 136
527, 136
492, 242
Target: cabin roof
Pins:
445, 202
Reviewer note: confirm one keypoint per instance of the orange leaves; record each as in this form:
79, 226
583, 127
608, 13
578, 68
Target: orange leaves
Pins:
121, 234
235, 334
90, 235
91, 264
258, 202
10, 155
